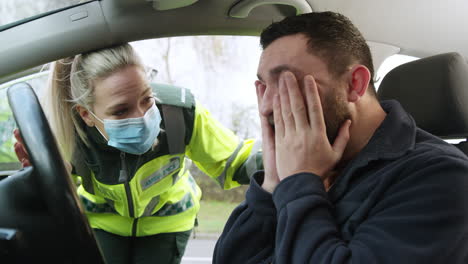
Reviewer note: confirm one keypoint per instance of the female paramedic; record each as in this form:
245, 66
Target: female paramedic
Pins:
129, 142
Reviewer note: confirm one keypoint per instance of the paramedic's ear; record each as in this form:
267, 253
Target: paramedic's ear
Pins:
85, 115
358, 82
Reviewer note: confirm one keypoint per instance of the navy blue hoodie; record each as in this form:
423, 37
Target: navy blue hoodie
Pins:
402, 199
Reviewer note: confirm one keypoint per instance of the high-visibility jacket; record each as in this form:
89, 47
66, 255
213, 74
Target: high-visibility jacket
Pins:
141, 195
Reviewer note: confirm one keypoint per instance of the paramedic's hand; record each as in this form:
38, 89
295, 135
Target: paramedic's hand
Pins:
268, 145
20, 150
300, 131
23, 155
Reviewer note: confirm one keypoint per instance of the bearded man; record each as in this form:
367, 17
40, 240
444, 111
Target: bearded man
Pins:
347, 178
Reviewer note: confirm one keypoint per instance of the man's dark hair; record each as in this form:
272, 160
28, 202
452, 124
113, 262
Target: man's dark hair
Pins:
331, 36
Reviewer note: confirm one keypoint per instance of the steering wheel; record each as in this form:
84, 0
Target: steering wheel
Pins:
52, 179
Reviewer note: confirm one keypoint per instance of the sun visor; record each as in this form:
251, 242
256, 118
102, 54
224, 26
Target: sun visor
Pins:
243, 8
171, 4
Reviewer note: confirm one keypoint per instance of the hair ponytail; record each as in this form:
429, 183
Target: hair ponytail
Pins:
59, 101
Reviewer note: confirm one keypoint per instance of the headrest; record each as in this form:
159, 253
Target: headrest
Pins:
434, 90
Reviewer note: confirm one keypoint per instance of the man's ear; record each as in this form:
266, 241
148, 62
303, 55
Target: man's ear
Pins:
85, 115
358, 82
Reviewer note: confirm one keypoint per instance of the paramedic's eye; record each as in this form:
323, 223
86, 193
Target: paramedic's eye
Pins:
119, 112
149, 99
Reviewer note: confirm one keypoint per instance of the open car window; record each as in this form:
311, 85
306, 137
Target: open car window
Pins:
8, 161
221, 75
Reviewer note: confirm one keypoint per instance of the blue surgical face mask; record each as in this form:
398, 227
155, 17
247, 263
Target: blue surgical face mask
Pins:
133, 135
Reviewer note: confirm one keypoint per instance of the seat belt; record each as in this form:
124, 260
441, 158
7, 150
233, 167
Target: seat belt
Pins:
82, 170
175, 128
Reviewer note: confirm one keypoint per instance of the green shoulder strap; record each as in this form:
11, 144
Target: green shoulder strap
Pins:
173, 100
81, 169
173, 95
175, 128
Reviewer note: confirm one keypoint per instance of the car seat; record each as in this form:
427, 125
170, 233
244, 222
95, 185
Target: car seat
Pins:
434, 90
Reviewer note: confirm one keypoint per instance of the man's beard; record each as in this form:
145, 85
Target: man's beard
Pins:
335, 113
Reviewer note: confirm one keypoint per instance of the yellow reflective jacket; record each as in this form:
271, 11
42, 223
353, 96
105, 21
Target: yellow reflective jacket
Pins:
141, 195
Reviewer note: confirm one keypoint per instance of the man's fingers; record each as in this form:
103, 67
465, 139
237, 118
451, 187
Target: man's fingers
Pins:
342, 139
284, 101
267, 130
296, 99
279, 124
260, 89
314, 106
268, 142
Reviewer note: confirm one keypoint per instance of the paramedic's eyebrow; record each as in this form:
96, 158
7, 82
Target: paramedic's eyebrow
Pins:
116, 107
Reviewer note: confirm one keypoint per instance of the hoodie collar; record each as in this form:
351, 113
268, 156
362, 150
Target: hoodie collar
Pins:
395, 136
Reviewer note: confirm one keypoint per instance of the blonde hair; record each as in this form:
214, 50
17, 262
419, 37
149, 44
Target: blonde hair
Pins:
72, 83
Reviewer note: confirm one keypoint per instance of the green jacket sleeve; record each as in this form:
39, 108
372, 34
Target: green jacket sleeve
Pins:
219, 153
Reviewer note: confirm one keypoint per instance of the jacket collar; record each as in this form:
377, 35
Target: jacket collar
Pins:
98, 140
392, 139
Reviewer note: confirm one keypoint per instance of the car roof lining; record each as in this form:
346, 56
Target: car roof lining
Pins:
420, 28
110, 22
107, 20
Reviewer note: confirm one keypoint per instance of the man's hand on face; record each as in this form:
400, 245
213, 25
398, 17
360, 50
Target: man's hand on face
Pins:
301, 141
268, 145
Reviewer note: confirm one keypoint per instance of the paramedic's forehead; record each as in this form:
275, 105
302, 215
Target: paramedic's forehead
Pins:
123, 87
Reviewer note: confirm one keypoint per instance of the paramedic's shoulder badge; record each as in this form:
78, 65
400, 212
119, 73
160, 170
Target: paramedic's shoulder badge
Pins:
173, 95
